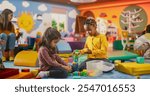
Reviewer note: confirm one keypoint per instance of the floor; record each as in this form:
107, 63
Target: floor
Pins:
111, 75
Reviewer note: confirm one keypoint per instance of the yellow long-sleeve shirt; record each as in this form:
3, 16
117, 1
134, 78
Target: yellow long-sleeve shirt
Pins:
98, 45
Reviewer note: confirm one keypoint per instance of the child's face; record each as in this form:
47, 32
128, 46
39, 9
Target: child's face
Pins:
54, 42
10, 16
91, 30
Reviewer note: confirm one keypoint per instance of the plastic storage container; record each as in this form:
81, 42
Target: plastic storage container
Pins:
96, 66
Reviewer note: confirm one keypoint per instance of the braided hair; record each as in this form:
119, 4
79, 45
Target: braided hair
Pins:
90, 21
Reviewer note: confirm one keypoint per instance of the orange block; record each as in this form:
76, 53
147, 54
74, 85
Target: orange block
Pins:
22, 75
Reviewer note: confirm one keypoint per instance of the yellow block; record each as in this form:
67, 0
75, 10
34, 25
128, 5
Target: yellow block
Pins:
65, 55
26, 58
133, 68
35, 72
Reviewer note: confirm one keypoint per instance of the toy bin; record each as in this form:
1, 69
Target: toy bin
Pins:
96, 66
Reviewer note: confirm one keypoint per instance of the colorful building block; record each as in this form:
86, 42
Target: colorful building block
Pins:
117, 61
140, 60
7, 72
35, 72
25, 70
76, 77
84, 73
76, 73
75, 67
22, 75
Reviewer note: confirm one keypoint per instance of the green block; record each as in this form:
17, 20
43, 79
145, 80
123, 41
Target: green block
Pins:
83, 73
140, 60
117, 45
69, 74
76, 77
76, 73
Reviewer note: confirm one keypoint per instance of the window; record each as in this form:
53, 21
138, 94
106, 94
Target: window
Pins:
59, 21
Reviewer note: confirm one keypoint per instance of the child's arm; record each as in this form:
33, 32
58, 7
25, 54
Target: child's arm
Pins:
47, 58
103, 49
59, 60
85, 49
68, 68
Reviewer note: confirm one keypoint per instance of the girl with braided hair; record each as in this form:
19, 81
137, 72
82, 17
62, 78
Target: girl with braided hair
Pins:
96, 44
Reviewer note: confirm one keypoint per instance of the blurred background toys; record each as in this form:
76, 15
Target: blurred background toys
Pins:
1, 65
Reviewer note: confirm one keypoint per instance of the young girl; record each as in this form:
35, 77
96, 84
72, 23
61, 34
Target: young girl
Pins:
51, 64
96, 44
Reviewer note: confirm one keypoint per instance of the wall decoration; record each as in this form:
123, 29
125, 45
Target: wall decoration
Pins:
109, 21
40, 19
133, 19
89, 14
45, 20
102, 25
42, 7
114, 16
102, 15
7, 5
25, 21
25, 4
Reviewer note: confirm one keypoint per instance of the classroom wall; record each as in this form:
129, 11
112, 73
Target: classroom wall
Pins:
40, 13
115, 8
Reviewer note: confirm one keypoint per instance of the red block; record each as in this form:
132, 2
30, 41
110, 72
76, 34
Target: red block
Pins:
25, 70
7, 72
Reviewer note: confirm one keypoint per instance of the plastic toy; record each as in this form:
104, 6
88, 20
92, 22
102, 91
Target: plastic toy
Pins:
69, 74
91, 73
84, 73
7, 72
76, 55
117, 61
35, 72
22, 75
76, 73
96, 66
25, 70
76, 77
75, 66
140, 60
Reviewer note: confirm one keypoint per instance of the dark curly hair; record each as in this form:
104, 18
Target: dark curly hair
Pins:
90, 21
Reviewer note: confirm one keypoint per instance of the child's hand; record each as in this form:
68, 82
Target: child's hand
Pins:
89, 51
68, 68
81, 52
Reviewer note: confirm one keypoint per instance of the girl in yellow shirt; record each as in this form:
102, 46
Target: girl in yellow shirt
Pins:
96, 44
